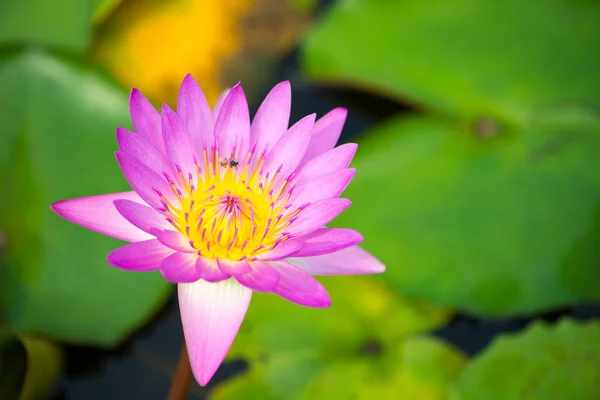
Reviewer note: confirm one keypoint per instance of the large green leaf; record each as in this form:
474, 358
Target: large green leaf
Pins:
467, 57
64, 23
291, 347
57, 141
29, 367
544, 362
502, 225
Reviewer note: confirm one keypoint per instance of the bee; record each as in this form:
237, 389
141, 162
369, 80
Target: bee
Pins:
231, 162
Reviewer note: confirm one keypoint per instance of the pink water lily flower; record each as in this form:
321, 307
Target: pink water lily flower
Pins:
224, 207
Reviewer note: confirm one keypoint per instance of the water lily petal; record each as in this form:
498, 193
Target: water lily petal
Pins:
282, 250
234, 267
272, 118
210, 271
140, 256
195, 112
180, 268
262, 277
135, 145
299, 287
328, 240
177, 142
146, 120
289, 150
211, 314
99, 214
232, 129
326, 133
142, 216
324, 186
174, 240
316, 215
145, 181
350, 261
332, 160
219, 103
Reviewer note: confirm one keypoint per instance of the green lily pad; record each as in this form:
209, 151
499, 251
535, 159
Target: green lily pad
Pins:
29, 367
543, 362
497, 226
291, 347
64, 23
470, 58
57, 141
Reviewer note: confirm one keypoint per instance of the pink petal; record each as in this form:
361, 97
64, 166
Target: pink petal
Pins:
177, 142
262, 278
328, 240
316, 215
232, 129
209, 270
324, 186
195, 113
142, 216
99, 214
299, 287
145, 181
138, 147
219, 103
180, 268
289, 150
332, 160
146, 120
211, 314
282, 250
139, 256
234, 267
350, 261
272, 118
174, 240
326, 133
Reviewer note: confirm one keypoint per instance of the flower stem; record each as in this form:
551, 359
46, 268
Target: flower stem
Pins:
182, 381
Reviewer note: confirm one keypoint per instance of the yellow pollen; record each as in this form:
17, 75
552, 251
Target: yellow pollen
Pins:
229, 210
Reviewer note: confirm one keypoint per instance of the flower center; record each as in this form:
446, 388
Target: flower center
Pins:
230, 210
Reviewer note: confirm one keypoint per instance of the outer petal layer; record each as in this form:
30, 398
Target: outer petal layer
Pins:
326, 133
142, 216
140, 256
262, 278
211, 314
328, 240
146, 120
180, 268
272, 118
299, 287
350, 261
99, 214
195, 113
232, 128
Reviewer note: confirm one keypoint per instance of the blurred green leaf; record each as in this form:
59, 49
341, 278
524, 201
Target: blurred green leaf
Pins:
58, 131
103, 9
541, 363
289, 346
497, 225
29, 367
416, 368
64, 23
500, 59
